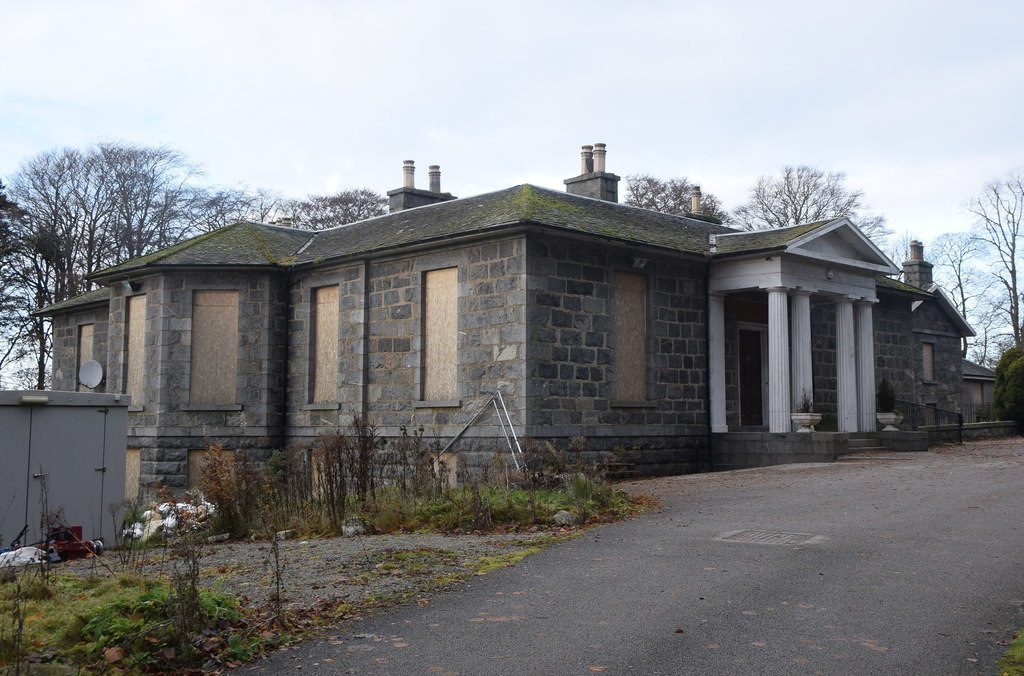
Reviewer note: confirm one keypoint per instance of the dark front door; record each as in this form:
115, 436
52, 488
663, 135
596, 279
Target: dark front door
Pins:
751, 379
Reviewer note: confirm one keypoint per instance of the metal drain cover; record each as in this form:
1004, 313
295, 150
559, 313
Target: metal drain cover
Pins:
767, 537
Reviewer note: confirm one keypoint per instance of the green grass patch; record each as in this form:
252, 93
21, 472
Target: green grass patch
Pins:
1012, 663
122, 621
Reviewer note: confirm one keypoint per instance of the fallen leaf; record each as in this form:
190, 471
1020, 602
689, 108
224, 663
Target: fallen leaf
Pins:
598, 668
679, 630
712, 646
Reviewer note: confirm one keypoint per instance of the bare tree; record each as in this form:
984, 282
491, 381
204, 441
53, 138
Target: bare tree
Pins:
669, 196
956, 257
84, 210
998, 210
319, 212
212, 208
806, 194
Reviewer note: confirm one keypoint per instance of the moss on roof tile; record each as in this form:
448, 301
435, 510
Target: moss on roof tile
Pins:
523, 204
88, 298
762, 240
243, 243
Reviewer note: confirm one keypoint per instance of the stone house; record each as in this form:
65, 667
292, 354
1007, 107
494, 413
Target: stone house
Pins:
677, 340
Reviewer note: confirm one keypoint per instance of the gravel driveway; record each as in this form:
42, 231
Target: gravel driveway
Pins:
324, 571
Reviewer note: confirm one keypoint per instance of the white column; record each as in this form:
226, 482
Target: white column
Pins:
716, 362
778, 361
865, 366
846, 372
800, 343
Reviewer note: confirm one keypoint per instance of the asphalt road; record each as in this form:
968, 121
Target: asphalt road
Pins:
911, 565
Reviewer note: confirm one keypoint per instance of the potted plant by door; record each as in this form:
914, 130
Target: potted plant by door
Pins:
887, 414
805, 416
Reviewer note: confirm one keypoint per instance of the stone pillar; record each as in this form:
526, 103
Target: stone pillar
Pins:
778, 361
846, 372
716, 362
865, 366
800, 344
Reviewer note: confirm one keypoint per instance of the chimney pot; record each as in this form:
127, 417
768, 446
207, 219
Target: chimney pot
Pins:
434, 172
409, 174
695, 205
916, 250
587, 160
600, 150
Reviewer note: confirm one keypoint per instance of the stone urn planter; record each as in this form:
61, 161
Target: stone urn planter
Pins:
806, 421
890, 421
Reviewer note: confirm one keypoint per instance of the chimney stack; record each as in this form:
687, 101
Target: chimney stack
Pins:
408, 196
695, 206
594, 181
917, 271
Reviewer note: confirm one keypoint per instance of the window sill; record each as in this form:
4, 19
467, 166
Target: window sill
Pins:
211, 407
438, 403
136, 409
616, 403
322, 406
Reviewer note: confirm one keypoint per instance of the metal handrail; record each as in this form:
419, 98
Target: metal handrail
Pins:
947, 426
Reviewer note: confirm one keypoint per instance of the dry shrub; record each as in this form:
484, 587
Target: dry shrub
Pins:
233, 484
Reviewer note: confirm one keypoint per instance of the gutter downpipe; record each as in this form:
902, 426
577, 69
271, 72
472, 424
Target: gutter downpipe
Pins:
705, 461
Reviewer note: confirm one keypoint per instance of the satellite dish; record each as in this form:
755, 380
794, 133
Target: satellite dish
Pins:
90, 373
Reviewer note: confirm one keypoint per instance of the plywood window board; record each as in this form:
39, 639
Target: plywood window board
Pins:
135, 345
324, 345
85, 352
197, 458
132, 472
214, 347
630, 336
440, 334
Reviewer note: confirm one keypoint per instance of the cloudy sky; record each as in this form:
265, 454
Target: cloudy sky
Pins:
920, 103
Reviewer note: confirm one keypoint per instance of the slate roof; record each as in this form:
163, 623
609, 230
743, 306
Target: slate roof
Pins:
521, 205
241, 244
897, 285
765, 240
977, 371
100, 295
258, 244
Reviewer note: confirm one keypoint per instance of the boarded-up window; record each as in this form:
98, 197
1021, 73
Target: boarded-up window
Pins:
135, 342
197, 460
630, 336
214, 347
324, 345
928, 361
440, 334
132, 470
85, 333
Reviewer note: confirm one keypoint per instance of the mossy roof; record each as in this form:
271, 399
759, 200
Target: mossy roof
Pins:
100, 295
257, 244
241, 244
521, 205
765, 240
897, 285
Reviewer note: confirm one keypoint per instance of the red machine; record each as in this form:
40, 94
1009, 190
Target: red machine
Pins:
66, 543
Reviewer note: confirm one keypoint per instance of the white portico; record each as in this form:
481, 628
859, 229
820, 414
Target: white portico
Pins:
762, 285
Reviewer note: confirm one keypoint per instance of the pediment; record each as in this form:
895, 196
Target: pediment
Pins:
840, 242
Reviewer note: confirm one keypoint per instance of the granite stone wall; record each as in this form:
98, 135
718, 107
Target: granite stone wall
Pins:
571, 354
930, 324
894, 357
64, 368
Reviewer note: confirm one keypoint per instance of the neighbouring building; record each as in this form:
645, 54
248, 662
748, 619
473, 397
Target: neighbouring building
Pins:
683, 342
